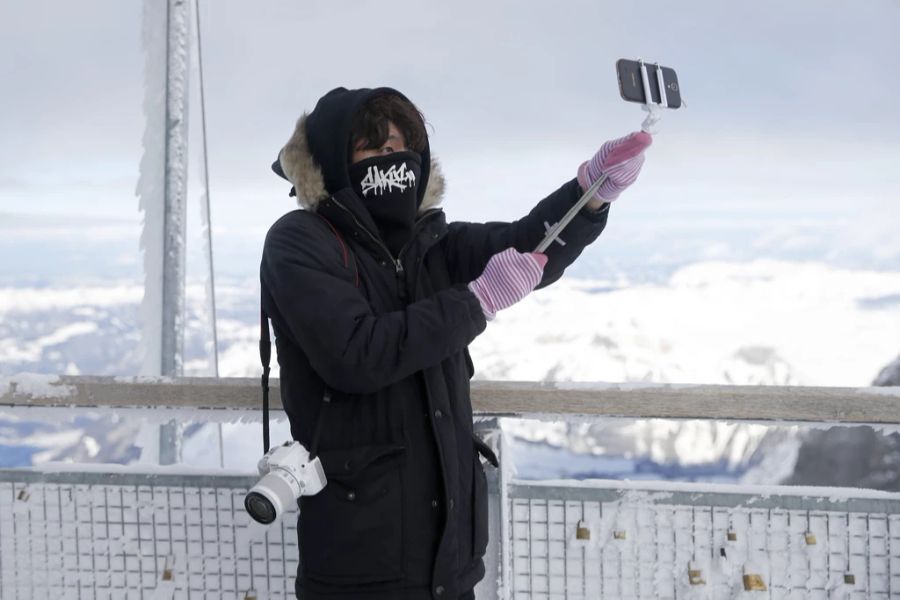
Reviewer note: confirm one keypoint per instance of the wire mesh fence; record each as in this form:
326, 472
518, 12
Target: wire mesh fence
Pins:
91, 535
148, 536
602, 543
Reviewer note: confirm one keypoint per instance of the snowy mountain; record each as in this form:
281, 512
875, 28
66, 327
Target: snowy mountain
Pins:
852, 456
762, 322
889, 375
653, 449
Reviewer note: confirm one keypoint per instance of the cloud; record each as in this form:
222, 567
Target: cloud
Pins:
518, 94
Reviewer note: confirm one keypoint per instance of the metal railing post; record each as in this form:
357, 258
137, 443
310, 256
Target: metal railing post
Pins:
489, 431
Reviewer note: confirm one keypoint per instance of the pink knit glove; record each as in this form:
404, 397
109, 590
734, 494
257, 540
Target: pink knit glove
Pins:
508, 277
620, 159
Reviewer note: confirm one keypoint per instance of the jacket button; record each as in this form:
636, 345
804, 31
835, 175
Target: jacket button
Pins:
434, 236
351, 496
439, 590
434, 504
438, 413
347, 466
451, 503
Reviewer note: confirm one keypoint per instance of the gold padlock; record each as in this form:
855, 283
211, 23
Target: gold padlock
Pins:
732, 536
695, 577
167, 568
810, 538
619, 534
850, 578
23, 495
754, 583
582, 532
250, 595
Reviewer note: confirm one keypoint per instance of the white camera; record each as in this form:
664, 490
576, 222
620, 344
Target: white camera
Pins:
288, 473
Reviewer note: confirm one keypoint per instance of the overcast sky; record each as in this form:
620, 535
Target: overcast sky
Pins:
791, 105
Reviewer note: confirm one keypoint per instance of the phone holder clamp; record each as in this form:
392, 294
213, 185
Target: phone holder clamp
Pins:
653, 109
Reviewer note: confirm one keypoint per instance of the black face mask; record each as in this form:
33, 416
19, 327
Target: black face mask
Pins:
388, 187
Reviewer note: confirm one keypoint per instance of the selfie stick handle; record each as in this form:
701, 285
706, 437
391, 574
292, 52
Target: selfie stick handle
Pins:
554, 231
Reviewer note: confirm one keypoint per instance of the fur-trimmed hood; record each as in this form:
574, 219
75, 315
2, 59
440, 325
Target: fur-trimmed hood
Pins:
315, 159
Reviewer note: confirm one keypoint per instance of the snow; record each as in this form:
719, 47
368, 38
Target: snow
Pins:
36, 385
31, 350
576, 419
144, 379
143, 469
240, 430
760, 322
892, 392
649, 491
730, 329
597, 386
152, 415
26, 300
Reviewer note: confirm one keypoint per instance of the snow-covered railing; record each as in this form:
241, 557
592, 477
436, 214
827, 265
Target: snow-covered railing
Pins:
870, 405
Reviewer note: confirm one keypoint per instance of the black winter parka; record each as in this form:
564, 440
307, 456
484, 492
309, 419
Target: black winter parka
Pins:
373, 354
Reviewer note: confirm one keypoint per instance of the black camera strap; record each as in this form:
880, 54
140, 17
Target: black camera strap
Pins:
265, 356
314, 446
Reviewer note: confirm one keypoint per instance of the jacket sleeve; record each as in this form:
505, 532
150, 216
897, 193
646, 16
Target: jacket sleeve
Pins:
469, 246
315, 299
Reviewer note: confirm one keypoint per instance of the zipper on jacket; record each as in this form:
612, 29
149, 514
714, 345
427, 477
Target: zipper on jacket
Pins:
398, 265
401, 284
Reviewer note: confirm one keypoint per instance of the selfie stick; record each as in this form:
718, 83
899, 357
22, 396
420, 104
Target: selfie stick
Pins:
554, 231
651, 107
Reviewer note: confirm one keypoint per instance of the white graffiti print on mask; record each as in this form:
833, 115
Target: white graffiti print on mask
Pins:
378, 181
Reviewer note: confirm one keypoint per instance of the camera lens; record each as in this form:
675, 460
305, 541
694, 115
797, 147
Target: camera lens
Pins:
260, 508
268, 499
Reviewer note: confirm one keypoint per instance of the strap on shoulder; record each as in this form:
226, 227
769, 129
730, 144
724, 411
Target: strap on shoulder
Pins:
265, 347
345, 250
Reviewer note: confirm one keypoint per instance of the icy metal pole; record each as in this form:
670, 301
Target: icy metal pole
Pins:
554, 231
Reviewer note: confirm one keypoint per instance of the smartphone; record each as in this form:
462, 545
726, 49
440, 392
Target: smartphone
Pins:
631, 84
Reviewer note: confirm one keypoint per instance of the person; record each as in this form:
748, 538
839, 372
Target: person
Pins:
374, 299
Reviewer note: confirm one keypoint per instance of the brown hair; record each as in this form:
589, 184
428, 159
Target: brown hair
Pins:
369, 129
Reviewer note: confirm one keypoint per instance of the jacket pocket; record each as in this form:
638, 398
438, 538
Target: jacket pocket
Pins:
352, 531
479, 508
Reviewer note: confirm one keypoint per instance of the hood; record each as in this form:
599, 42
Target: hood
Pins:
315, 159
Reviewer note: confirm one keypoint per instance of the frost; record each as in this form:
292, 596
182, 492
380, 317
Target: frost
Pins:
144, 379
150, 187
162, 184
892, 392
658, 491
595, 386
29, 386
144, 469
157, 415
